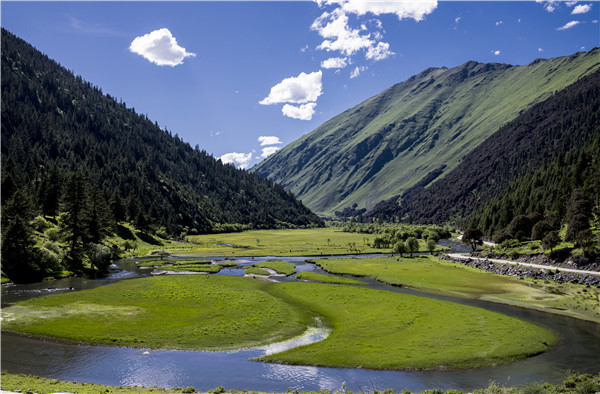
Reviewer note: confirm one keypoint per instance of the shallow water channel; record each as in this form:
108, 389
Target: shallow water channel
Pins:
578, 350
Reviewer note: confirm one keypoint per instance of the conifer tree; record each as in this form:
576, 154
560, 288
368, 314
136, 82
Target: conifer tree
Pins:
73, 218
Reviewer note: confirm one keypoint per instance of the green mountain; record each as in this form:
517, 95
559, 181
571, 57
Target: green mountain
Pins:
416, 131
540, 166
55, 124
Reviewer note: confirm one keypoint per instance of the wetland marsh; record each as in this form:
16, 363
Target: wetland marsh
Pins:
377, 336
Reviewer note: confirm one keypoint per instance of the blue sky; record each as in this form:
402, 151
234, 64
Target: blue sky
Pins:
242, 79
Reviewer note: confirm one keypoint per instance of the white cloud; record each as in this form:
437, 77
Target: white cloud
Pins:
581, 9
549, 5
297, 90
302, 112
595, 21
379, 52
333, 26
239, 160
335, 62
496, 53
269, 140
457, 19
569, 25
356, 72
160, 48
540, 50
499, 23
571, 3
268, 151
402, 9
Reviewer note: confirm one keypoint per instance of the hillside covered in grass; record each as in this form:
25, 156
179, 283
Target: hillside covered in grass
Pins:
83, 160
543, 167
416, 131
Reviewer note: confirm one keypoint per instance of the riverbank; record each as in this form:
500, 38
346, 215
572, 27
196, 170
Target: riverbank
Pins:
575, 383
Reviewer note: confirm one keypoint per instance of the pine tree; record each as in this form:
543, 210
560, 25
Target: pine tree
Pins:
73, 218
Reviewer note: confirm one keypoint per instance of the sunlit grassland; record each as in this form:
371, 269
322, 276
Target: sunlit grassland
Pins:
176, 312
371, 328
256, 271
384, 330
298, 242
315, 277
281, 267
430, 274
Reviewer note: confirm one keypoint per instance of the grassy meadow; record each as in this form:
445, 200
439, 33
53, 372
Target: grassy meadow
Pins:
296, 242
175, 311
371, 328
432, 275
384, 330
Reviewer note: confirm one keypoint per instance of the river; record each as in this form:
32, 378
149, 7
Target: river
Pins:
578, 350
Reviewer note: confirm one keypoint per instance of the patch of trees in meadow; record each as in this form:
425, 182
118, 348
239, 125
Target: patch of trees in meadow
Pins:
69, 151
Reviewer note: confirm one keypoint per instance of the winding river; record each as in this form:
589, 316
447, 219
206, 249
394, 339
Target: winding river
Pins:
578, 350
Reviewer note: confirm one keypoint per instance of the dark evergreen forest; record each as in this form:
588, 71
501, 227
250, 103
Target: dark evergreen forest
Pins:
61, 133
543, 167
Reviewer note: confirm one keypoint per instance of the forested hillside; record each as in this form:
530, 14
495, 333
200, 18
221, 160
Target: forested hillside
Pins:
544, 166
64, 141
416, 131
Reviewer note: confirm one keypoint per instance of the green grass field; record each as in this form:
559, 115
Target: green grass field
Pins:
314, 277
371, 328
298, 242
256, 271
174, 311
432, 275
384, 330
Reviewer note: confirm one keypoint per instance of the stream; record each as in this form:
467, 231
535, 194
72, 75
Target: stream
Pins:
578, 350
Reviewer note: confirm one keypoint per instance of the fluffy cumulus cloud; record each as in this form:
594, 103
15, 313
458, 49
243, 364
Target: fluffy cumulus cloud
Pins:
268, 140
239, 160
379, 52
302, 112
402, 9
366, 37
296, 90
160, 48
581, 9
335, 62
339, 36
568, 25
268, 151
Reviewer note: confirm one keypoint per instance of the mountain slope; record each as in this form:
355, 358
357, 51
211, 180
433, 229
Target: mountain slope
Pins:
423, 126
54, 123
532, 164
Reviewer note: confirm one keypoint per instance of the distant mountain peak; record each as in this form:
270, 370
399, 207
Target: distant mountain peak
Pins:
393, 140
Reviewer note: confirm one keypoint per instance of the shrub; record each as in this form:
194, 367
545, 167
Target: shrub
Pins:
53, 234
40, 224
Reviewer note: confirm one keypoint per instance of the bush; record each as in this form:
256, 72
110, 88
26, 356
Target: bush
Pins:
40, 224
100, 256
53, 234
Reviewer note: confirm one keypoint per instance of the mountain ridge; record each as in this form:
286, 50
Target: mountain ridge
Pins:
391, 141
52, 119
